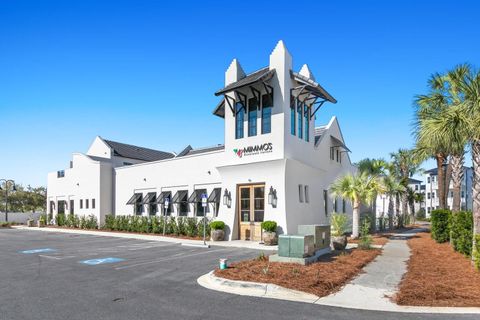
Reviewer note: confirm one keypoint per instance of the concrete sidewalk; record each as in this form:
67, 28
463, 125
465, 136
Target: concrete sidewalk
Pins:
373, 289
150, 237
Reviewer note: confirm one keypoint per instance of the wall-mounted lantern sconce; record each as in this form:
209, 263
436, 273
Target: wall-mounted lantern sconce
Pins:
227, 198
272, 197
78, 184
144, 179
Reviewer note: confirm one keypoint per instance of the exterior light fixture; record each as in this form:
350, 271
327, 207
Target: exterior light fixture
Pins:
272, 197
227, 198
14, 188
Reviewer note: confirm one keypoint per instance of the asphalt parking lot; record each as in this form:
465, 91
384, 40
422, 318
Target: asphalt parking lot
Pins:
52, 276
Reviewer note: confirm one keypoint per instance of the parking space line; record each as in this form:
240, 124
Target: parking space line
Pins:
170, 258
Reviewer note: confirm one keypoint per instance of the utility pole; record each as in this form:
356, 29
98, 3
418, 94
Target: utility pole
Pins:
6, 194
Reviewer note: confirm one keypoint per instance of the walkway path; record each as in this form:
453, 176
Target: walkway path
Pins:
374, 288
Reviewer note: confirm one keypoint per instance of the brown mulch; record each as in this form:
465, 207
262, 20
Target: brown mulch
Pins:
438, 276
130, 232
381, 238
322, 278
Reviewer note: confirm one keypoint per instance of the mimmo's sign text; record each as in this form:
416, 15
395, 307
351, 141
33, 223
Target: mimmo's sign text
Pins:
254, 150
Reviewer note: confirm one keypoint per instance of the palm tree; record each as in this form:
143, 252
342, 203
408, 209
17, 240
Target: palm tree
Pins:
449, 129
373, 167
435, 138
428, 106
413, 197
405, 165
359, 188
393, 189
470, 88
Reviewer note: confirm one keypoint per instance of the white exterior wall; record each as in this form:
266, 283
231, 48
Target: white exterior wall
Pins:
184, 173
290, 162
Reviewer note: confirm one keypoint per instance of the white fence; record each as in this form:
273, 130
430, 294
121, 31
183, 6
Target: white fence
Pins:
20, 217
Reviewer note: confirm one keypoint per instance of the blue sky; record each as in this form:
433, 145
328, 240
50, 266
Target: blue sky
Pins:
144, 72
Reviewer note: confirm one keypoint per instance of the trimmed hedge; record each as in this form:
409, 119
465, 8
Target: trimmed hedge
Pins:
179, 226
217, 225
461, 232
441, 225
74, 221
476, 252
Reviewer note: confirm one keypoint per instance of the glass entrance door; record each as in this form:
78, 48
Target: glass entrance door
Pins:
251, 211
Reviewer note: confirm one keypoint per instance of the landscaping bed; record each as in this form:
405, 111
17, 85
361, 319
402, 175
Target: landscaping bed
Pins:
322, 278
438, 276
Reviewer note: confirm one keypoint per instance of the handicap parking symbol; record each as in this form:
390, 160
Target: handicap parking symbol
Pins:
94, 262
43, 250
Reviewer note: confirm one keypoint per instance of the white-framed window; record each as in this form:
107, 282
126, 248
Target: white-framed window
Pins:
307, 197
300, 193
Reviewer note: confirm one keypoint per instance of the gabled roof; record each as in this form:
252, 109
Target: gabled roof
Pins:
188, 151
318, 132
138, 153
413, 181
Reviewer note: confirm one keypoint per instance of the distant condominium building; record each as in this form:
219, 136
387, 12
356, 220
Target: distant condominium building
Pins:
431, 190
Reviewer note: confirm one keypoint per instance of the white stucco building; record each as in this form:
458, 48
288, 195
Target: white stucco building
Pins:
274, 163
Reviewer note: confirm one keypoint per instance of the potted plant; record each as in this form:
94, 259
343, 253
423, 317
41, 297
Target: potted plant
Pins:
269, 234
217, 230
41, 221
339, 224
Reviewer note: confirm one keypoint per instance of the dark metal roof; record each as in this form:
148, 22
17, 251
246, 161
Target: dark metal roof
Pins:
196, 195
220, 109
180, 196
263, 74
188, 151
135, 198
161, 197
215, 195
413, 181
149, 197
319, 131
138, 153
338, 143
312, 86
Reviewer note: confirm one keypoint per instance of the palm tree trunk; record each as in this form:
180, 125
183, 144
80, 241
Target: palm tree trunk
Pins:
457, 178
390, 212
476, 189
404, 207
397, 210
448, 178
412, 212
440, 158
356, 219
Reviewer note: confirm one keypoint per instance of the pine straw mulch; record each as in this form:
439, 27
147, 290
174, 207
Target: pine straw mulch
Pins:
322, 278
381, 237
438, 276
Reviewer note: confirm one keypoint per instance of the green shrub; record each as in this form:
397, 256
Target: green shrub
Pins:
217, 225
191, 227
109, 222
155, 221
200, 227
461, 232
90, 222
269, 226
43, 218
476, 252
339, 223
181, 226
60, 219
171, 226
365, 242
83, 222
441, 225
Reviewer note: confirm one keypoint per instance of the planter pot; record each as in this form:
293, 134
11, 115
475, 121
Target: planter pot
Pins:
41, 224
270, 238
217, 235
30, 223
339, 243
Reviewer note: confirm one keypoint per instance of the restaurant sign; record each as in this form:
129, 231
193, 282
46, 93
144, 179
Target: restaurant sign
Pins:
254, 150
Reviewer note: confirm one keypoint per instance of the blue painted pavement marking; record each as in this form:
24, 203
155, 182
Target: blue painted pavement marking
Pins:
94, 262
43, 250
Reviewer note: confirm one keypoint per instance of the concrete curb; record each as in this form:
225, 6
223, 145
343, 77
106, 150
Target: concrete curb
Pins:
227, 244
272, 291
254, 289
